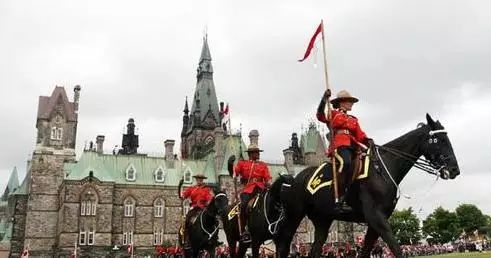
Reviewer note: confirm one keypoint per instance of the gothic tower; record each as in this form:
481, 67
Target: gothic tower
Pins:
56, 134
197, 137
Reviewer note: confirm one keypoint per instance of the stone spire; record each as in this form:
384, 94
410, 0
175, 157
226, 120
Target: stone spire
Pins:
204, 107
205, 68
185, 118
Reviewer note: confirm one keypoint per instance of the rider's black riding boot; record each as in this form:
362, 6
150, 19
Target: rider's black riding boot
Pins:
245, 237
346, 154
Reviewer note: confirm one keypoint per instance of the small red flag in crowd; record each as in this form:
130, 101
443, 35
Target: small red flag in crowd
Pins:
312, 42
25, 253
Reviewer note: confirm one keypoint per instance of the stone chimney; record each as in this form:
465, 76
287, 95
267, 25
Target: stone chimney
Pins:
288, 153
218, 149
76, 97
169, 149
254, 137
99, 141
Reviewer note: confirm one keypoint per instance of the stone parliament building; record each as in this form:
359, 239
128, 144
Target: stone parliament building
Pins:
104, 201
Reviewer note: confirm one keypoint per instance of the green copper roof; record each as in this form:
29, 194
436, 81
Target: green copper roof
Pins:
12, 185
310, 140
113, 168
8, 233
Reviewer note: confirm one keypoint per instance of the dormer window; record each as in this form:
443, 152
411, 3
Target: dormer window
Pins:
188, 177
56, 133
159, 175
131, 173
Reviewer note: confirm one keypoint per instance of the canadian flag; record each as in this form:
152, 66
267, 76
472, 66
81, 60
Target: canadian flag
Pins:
130, 248
25, 253
225, 116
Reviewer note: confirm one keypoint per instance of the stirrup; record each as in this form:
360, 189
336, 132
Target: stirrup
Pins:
245, 237
342, 207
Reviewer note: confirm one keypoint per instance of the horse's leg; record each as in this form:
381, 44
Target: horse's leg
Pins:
242, 250
285, 236
377, 220
321, 232
255, 249
370, 238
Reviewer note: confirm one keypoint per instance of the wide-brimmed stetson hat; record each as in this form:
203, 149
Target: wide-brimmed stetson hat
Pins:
344, 96
200, 175
253, 148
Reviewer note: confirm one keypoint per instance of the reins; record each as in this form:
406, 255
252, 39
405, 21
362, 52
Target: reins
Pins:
210, 234
272, 226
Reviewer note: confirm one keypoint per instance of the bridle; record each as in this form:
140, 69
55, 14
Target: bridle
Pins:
214, 231
429, 166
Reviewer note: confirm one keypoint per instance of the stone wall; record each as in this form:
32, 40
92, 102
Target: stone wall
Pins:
19, 213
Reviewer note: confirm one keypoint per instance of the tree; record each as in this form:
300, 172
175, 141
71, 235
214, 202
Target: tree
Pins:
470, 218
405, 225
487, 229
442, 225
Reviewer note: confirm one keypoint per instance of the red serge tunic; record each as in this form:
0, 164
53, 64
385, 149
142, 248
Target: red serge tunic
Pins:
256, 173
200, 196
345, 127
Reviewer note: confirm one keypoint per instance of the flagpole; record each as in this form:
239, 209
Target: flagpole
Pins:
328, 115
132, 247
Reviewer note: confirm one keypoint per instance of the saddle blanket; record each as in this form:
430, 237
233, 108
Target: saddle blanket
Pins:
318, 181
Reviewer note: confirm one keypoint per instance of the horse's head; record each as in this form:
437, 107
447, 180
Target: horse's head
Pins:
438, 150
220, 201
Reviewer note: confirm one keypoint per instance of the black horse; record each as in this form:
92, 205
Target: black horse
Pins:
203, 229
374, 198
263, 221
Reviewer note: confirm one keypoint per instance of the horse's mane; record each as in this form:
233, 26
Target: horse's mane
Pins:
403, 139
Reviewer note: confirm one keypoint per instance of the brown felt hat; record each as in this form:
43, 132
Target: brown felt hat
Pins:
344, 96
200, 176
253, 147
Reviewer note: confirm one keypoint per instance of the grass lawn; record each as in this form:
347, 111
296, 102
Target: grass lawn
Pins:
467, 255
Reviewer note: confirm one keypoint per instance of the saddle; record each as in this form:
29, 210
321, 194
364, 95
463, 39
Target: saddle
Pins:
361, 163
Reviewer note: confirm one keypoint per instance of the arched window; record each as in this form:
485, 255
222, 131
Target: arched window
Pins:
158, 236
88, 203
159, 175
56, 133
129, 207
131, 173
158, 208
188, 176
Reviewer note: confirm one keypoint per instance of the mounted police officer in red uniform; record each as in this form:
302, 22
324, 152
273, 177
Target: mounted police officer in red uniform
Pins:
255, 176
200, 196
347, 135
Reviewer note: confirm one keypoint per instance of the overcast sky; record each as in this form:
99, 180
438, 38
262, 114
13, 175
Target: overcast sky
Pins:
139, 59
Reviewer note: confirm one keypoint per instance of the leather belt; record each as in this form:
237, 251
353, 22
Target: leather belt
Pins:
342, 131
255, 180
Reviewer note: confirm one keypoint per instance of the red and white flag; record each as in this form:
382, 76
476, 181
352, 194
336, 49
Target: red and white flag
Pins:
225, 116
25, 253
130, 248
318, 31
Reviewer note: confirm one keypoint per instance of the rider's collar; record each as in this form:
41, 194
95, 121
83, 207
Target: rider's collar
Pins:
342, 110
